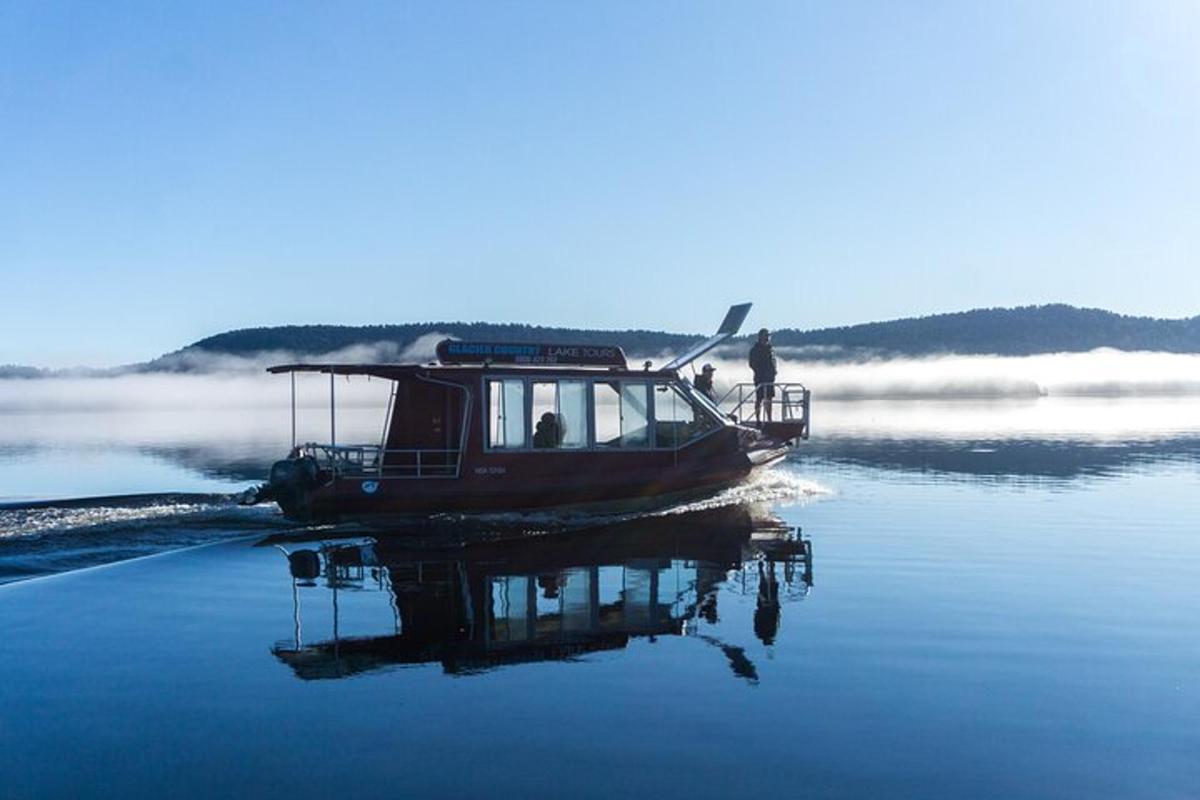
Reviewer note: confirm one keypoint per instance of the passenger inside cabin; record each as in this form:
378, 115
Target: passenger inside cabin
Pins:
550, 584
549, 431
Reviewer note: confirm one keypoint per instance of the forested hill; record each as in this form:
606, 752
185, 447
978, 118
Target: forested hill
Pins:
1007, 331
315, 339
1004, 331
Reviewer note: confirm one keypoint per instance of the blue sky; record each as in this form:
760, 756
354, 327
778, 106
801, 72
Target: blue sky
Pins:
168, 171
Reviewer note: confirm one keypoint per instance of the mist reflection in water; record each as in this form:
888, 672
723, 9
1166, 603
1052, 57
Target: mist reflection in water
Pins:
551, 597
46, 454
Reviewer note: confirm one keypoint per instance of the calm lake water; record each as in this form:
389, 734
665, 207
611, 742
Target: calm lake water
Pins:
927, 600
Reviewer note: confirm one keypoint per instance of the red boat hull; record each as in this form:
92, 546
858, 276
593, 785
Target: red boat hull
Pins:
519, 482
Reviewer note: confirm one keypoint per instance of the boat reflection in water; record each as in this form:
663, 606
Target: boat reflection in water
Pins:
483, 603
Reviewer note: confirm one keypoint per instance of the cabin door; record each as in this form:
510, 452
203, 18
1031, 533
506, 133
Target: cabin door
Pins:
425, 431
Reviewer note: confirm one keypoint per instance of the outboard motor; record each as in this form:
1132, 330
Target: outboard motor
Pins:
305, 565
289, 484
300, 471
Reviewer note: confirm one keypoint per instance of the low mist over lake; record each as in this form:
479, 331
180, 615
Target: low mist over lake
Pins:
240, 380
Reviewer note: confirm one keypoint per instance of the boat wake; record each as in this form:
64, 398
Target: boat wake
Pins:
34, 520
780, 486
57, 536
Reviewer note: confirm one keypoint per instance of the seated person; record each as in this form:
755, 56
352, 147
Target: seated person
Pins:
547, 432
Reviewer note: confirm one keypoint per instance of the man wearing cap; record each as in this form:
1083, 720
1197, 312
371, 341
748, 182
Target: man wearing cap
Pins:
762, 363
704, 382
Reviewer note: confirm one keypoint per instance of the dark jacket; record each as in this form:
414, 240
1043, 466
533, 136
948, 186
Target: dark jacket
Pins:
762, 362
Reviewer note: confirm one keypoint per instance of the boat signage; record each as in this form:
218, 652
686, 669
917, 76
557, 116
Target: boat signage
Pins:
450, 351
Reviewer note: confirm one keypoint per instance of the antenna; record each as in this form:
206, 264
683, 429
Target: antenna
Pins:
728, 329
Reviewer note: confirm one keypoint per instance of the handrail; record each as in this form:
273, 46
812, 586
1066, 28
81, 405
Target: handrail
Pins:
791, 399
375, 461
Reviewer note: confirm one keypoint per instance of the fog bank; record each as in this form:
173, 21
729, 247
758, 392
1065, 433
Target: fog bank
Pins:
1104, 372
236, 382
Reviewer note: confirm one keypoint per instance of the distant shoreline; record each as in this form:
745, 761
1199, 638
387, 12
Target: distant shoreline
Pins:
1021, 331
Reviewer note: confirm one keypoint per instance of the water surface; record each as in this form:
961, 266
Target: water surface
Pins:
974, 609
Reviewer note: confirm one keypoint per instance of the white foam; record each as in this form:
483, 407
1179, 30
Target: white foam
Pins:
33, 522
782, 485
37, 521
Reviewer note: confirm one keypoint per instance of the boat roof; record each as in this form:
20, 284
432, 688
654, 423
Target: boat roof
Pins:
396, 371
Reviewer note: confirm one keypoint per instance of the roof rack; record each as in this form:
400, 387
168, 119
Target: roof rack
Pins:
452, 351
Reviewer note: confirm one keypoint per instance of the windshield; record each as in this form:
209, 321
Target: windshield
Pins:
701, 399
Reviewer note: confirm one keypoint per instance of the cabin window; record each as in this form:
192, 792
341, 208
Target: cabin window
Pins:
544, 417
513, 602
607, 414
677, 420
572, 410
506, 414
559, 414
621, 416
610, 592
578, 591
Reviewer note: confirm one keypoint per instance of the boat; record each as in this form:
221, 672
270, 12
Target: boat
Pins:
512, 426
481, 604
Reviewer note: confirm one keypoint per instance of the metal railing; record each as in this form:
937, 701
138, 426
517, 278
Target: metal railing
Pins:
373, 461
790, 403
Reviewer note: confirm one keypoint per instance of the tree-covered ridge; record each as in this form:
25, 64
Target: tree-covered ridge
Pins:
1008, 331
315, 339
1001, 331
20, 371
994, 331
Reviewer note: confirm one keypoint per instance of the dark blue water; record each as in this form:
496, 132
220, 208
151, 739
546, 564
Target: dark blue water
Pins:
890, 616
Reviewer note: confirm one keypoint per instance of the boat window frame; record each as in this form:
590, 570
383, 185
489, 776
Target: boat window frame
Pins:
531, 423
526, 407
590, 380
620, 382
689, 395
700, 403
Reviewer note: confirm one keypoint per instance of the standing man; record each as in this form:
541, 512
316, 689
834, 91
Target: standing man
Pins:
762, 363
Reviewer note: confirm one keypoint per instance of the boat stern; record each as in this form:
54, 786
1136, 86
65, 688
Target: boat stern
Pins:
290, 485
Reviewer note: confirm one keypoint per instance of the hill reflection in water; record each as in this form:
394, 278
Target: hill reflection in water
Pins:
488, 602
1053, 459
